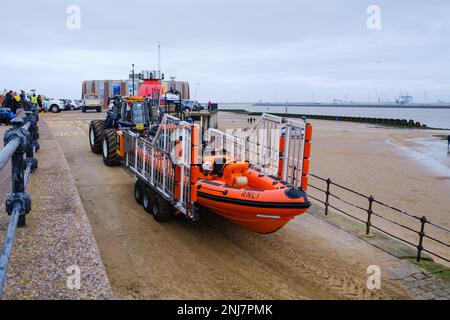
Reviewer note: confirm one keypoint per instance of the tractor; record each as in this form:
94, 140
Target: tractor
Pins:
137, 114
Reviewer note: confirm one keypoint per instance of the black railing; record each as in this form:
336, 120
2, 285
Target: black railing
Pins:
393, 216
20, 145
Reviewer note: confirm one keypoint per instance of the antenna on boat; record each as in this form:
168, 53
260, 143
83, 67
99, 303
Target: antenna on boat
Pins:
196, 91
159, 58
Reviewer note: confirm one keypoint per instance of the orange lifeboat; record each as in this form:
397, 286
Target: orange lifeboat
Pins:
244, 196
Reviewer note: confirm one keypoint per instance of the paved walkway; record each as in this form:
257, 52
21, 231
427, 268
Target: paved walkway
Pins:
424, 286
57, 238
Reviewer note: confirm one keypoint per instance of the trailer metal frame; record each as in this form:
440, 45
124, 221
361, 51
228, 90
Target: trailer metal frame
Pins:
275, 147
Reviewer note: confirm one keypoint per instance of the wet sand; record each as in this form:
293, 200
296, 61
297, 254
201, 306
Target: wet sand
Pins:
400, 167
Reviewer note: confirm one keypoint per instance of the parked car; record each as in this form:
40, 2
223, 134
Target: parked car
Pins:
68, 104
191, 105
77, 104
91, 102
53, 105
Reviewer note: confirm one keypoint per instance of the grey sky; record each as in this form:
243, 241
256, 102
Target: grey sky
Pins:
237, 50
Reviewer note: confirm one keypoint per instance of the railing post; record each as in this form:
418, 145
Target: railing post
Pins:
369, 215
32, 118
423, 221
327, 196
18, 198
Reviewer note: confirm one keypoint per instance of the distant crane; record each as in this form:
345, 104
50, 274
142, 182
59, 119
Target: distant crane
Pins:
404, 99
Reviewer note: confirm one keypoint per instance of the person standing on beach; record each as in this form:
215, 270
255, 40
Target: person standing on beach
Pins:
15, 102
8, 99
34, 100
448, 142
40, 104
22, 96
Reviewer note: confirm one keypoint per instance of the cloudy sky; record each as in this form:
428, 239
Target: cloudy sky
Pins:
236, 50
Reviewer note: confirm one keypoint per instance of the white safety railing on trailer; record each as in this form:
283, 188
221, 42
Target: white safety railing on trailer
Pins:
293, 151
156, 162
263, 144
181, 156
225, 144
271, 140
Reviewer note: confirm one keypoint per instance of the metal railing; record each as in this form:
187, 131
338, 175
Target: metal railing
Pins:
391, 216
20, 146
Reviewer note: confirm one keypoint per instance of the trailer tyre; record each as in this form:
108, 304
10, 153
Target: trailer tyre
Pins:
110, 157
147, 200
162, 211
96, 129
139, 192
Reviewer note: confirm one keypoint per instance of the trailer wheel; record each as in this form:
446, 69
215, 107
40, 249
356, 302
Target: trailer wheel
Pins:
96, 130
139, 192
110, 157
147, 200
162, 211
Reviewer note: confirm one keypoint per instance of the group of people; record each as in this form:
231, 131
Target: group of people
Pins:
251, 120
15, 101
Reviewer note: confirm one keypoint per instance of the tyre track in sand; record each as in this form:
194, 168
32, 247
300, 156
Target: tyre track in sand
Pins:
315, 265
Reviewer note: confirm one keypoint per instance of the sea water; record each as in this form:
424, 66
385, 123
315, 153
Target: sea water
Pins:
435, 118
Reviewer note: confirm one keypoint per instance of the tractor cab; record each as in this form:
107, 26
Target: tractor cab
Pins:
134, 114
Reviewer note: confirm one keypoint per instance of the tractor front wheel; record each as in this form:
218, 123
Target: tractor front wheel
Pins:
110, 157
96, 129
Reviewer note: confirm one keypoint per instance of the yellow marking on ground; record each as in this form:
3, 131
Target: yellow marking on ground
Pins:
72, 133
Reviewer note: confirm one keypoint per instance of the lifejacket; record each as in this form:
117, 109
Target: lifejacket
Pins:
17, 98
34, 100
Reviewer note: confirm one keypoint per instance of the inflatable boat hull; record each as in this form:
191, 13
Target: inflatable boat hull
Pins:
257, 210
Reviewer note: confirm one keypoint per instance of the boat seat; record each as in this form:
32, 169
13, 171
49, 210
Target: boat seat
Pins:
218, 166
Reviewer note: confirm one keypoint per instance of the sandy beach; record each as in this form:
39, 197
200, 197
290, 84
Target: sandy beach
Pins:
405, 168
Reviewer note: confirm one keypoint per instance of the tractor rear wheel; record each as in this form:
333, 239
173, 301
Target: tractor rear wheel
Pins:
110, 157
96, 130
139, 189
162, 211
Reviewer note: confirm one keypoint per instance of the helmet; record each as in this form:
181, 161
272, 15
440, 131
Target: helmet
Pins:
207, 166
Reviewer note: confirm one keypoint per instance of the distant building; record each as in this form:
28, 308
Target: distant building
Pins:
106, 89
